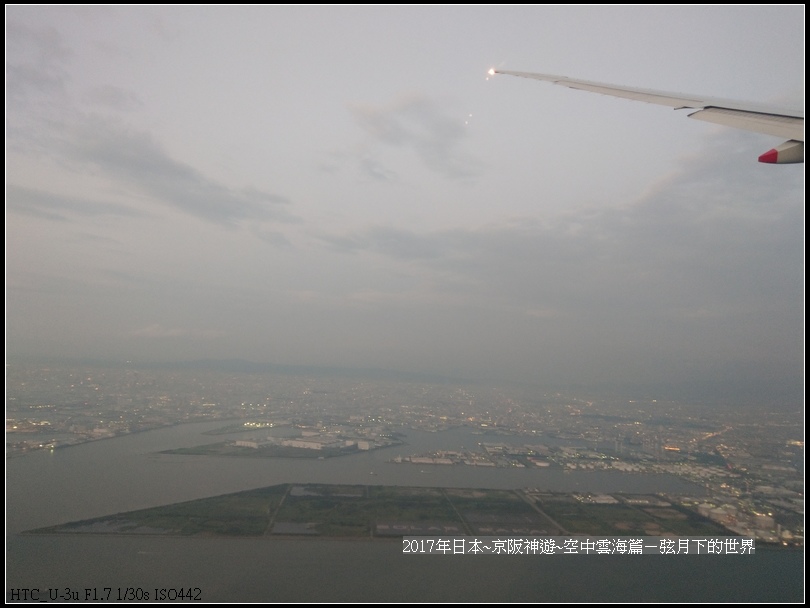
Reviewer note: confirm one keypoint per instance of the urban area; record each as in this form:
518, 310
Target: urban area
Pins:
747, 461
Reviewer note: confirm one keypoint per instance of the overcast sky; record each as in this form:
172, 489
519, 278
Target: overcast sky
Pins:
346, 187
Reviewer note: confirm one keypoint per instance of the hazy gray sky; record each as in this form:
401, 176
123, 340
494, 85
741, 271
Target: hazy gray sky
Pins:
345, 186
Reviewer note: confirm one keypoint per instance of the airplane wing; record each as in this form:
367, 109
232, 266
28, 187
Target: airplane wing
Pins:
741, 115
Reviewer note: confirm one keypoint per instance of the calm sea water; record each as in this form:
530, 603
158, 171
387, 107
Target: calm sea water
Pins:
126, 473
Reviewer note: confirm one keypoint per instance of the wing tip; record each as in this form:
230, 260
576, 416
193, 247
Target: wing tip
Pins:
790, 152
771, 156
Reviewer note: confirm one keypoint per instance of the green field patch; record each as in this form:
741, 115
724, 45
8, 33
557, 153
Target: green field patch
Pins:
500, 503
328, 490
625, 520
403, 491
355, 510
596, 519
241, 514
667, 514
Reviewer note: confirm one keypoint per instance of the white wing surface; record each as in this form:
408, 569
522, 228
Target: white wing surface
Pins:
759, 118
